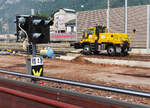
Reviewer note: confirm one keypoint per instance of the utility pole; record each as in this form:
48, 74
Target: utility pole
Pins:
0, 27
32, 12
82, 7
108, 14
126, 17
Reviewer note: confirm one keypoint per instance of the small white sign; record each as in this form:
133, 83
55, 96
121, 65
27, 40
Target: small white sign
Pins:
90, 36
102, 36
35, 61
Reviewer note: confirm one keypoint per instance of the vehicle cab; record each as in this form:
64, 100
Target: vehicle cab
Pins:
92, 34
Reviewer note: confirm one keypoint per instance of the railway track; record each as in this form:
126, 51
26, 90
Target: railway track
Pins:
57, 47
64, 48
20, 94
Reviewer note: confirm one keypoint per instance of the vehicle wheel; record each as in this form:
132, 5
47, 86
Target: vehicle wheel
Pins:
87, 50
125, 54
111, 51
96, 52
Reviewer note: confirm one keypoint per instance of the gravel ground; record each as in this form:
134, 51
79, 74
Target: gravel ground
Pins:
79, 69
136, 57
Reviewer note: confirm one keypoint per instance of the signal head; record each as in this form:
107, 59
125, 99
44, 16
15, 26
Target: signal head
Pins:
21, 20
36, 35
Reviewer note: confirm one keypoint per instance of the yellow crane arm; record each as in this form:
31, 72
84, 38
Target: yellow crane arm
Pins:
132, 34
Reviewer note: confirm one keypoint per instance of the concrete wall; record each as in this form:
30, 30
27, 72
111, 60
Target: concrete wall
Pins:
137, 19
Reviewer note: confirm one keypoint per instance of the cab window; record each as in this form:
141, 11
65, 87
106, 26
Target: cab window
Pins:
90, 31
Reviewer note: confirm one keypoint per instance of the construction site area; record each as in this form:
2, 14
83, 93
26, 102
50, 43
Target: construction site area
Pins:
85, 59
131, 72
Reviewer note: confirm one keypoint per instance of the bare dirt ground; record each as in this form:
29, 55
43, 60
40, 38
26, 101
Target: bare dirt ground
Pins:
79, 69
135, 57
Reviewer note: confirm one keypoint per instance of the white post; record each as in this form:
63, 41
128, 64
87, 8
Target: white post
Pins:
126, 17
32, 12
108, 10
82, 7
76, 26
148, 30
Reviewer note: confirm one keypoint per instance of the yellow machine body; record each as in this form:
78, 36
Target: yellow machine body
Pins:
96, 39
116, 38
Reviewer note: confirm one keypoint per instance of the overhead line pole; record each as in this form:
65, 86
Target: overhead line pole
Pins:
126, 17
108, 14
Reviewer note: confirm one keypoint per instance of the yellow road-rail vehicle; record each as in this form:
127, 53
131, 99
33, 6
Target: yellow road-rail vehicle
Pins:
97, 39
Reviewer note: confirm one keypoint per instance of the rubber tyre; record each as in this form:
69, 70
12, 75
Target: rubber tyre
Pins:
125, 54
87, 50
96, 52
111, 51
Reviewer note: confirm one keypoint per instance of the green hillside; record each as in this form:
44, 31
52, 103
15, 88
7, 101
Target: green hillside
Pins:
88, 4
9, 9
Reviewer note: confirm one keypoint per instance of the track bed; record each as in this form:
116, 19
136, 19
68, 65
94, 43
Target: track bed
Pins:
79, 69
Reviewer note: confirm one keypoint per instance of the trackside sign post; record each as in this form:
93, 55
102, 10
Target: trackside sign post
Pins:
35, 67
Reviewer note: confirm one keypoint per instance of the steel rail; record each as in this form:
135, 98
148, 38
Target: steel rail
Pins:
82, 84
37, 98
78, 99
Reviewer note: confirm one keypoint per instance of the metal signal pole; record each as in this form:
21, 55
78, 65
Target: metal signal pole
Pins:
108, 12
126, 16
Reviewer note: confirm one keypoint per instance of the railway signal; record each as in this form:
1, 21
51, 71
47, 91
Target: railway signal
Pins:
40, 30
35, 28
21, 27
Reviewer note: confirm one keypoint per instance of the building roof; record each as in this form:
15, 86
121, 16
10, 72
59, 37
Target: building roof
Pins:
69, 10
73, 21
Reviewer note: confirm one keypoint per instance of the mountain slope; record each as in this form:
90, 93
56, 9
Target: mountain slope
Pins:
9, 8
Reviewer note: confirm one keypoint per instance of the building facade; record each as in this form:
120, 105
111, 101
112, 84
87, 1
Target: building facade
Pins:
64, 27
64, 20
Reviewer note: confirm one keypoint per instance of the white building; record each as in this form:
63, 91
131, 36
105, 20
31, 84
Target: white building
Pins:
64, 21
